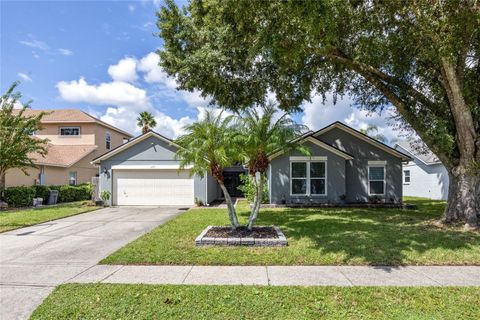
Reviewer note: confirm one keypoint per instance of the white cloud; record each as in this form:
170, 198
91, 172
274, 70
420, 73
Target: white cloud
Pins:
107, 93
124, 98
24, 76
65, 52
153, 73
35, 44
317, 115
131, 8
124, 70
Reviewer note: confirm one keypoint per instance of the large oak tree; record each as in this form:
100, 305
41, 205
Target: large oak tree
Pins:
421, 56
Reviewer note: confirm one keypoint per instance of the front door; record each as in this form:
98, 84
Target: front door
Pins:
232, 182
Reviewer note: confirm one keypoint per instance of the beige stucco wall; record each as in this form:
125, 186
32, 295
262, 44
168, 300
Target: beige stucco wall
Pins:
90, 134
116, 139
50, 131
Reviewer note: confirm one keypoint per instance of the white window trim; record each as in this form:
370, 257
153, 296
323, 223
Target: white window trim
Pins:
107, 134
384, 176
409, 176
307, 162
62, 135
76, 178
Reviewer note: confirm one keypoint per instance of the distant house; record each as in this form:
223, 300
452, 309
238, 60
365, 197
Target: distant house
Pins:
75, 138
425, 176
345, 165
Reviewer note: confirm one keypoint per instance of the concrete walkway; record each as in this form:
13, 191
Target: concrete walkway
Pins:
35, 259
284, 275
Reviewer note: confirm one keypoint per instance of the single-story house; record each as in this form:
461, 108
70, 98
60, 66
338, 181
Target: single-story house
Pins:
344, 165
425, 176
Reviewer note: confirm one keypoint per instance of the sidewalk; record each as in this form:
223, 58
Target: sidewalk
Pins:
284, 275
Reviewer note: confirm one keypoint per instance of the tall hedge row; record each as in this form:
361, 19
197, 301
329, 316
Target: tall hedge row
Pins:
23, 196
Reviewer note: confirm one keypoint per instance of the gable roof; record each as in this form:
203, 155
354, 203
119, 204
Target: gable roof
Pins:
423, 153
62, 155
131, 143
364, 137
309, 137
69, 116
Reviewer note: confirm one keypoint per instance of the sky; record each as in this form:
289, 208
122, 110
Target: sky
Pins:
99, 56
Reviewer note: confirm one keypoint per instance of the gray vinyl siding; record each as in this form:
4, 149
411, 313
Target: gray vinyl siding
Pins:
357, 169
151, 151
279, 183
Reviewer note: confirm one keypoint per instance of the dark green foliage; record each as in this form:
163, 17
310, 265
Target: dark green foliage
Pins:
248, 188
42, 192
23, 196
73, 193
19, 196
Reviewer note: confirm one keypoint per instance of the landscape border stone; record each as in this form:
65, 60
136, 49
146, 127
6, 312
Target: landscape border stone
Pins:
202, 240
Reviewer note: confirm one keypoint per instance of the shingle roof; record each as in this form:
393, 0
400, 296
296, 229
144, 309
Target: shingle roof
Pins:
63, 155
419, 151
69, 115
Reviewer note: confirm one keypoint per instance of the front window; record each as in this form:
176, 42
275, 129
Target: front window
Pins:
72, 178
376, 180
406, 176
107, 140
308, 178
69, 131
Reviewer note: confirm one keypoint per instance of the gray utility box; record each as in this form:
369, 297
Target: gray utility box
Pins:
53, 197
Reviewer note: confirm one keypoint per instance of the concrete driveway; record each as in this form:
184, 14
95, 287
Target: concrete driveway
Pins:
35, 259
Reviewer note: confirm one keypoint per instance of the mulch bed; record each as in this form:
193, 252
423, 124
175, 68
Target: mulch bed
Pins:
242, 232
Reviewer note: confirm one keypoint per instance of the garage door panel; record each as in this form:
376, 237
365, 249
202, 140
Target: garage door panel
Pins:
153, 187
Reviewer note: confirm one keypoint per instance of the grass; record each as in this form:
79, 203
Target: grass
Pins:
331, 236
120, 301
10, 220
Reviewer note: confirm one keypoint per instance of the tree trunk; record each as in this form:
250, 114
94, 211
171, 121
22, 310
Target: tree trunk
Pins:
232, 215
2, 182
257, 203
463, 197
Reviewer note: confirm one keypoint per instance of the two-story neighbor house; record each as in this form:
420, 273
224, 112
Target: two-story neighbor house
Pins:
344, 165
75, 138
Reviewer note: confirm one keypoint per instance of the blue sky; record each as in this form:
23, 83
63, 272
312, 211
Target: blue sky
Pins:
98, 56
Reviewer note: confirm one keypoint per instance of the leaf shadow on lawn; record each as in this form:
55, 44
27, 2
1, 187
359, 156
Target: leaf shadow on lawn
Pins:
375, 236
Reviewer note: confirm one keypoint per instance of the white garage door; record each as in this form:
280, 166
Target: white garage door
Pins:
152, 187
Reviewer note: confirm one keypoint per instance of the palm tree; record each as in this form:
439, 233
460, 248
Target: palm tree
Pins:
146, 121
263, 134
209, 145
372, 132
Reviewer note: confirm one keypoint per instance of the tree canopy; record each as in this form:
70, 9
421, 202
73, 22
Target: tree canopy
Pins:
419, 56
17, 143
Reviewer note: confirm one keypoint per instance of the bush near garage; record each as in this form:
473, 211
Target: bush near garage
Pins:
23, 196
69, 193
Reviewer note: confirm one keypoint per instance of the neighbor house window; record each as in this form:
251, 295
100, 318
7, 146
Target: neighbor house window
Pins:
69, 131
406, 176
376, 179
72, 178
107, 140
308, 178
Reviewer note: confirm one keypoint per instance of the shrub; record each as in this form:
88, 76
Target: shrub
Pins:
73, 193
248, 188
42, 192
19, 196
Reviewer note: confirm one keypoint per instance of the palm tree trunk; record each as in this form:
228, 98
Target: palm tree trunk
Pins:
2, 181
232, 215
257, 203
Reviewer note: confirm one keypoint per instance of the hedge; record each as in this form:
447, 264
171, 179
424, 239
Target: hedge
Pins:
19, 196
23, 196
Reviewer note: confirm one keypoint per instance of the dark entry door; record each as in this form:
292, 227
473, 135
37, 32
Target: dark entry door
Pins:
232, 182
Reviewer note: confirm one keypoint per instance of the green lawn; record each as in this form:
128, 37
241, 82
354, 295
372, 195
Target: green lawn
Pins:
316, 237
10, 220
120, 301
